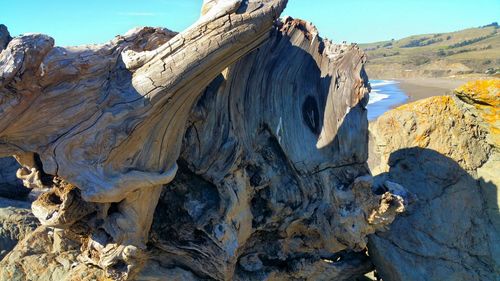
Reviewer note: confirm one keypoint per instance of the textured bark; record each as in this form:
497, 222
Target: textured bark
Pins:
16, 222
273, 182
270, 199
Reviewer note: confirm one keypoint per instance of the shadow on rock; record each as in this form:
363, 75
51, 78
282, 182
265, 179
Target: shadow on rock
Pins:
10, 186
450, 233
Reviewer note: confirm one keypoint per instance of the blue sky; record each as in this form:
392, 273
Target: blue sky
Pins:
73, 22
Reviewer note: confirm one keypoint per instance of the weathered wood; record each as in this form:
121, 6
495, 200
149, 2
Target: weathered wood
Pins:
279, 137
108, 101
254, 198
110, 119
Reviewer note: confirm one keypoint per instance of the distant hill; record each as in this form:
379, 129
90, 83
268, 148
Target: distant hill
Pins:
473, 50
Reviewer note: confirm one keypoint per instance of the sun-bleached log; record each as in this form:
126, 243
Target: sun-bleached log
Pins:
110, 118
264, 111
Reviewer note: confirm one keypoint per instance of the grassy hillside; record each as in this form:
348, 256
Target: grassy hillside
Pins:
474, 50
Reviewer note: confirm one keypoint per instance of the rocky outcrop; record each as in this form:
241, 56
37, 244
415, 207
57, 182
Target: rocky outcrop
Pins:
446, 151
4, 37
248, 132
16, 223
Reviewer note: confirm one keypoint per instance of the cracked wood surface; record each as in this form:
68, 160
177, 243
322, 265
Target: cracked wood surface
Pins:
273, 182
110, 118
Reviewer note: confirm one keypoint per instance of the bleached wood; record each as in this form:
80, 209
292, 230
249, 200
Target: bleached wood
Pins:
281, 120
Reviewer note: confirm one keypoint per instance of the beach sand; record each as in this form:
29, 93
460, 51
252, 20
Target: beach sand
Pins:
421, 88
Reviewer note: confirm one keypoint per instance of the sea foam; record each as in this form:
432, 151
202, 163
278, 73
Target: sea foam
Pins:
385, 94
375, 96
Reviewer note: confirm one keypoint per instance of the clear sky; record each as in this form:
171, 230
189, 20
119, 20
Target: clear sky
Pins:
74, 22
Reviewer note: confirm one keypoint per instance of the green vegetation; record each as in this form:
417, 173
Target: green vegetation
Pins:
473, 50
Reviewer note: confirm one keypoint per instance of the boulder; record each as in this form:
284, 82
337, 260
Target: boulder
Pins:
16, 222
4, 37
445, 150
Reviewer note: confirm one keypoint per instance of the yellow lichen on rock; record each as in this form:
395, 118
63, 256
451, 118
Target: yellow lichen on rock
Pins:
486, 92
484, 95
425, 106
442, 123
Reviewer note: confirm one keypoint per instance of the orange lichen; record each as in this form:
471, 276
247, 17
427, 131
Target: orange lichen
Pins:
392, 122
427, 105
422, 140
484, 95
486, 92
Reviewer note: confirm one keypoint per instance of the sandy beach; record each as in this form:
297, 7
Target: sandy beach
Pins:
389, 94
421, 88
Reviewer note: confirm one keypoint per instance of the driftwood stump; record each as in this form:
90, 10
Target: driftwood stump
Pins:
262, 113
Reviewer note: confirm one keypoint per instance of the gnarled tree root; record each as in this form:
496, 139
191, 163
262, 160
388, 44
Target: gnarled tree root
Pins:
62, 206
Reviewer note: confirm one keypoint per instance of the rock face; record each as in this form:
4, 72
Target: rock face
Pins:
16, 222
249, 132
446, 151
4, 37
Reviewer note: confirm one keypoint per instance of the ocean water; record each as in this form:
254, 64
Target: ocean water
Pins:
385, 95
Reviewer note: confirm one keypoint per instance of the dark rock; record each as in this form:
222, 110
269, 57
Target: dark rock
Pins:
16, 222
10, 186
4, 37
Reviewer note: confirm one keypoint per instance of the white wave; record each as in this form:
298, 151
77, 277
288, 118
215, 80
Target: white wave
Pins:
379, 83
376, 97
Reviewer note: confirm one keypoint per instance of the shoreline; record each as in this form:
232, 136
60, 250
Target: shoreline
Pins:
421, 88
